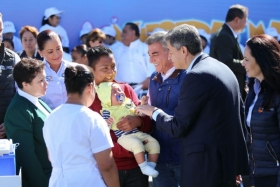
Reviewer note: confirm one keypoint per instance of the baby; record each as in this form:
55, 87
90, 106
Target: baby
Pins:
115, 106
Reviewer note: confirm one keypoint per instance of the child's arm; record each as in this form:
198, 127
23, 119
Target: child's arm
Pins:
107, 117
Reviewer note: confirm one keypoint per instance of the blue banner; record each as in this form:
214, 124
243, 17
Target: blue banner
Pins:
148, 14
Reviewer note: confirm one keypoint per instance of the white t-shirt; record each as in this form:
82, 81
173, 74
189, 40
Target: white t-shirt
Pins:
73, 133
60, 31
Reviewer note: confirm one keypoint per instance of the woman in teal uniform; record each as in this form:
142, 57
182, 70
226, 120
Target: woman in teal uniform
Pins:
24, 121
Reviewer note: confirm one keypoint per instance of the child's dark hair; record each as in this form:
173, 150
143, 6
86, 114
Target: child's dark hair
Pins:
77, 78
95, 53
81, 49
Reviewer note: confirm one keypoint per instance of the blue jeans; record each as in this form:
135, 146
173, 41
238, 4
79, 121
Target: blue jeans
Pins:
169, 175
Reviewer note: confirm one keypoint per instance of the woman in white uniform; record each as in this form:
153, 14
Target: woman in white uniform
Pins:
51, 21
78, 139
50, 48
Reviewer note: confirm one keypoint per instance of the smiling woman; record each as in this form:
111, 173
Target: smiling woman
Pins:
103, 64
51, 21
262, 108
26, 127
50, 47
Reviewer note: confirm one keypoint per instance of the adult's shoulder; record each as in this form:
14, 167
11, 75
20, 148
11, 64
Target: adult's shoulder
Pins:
89, 115
68, 63
46, 27
20, 103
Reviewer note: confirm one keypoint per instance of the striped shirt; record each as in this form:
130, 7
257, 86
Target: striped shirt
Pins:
118, 133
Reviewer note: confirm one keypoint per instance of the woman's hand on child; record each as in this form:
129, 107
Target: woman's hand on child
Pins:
128, 123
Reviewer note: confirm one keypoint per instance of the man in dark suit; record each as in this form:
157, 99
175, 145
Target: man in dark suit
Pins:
225, 47
208, 117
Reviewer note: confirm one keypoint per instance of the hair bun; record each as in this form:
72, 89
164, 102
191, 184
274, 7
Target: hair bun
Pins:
70, 73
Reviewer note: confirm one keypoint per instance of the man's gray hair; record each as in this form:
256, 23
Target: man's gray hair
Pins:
158, 37
185, 35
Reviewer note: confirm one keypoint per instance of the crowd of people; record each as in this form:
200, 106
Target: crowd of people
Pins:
184, 107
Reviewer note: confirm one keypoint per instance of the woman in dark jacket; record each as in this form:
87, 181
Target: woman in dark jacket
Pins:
28, 37
262, 107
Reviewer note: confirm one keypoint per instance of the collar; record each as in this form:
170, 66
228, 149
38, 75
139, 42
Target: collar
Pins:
23, 54
191, 65
49, 66
168, 73
159, 79
31, 98
234, 33
257, 86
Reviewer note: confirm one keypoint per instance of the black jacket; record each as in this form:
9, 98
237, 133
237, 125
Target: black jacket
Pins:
263, 135
225, 48
7, 83
36, 55
208, 120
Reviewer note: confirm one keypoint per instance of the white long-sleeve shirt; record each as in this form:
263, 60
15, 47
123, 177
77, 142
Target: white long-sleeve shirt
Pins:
133, 64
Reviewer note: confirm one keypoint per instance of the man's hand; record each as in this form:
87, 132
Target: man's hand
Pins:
129, 122
238, 179
2, 131
145, 109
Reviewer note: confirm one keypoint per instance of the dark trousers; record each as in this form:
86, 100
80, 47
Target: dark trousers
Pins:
133, 178
268, 181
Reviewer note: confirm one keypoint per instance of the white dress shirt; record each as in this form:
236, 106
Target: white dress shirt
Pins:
56, 91
133, 64
33, 100
115, 46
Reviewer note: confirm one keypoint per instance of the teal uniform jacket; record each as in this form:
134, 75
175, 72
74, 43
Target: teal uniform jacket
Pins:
23, 123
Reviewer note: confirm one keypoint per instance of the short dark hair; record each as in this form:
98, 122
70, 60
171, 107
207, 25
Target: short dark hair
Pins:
236, 11
26, 70
185, 35
10, 41
77, 78
95, 34
95, 53
266, 51
134, 27
81, 49
45, 36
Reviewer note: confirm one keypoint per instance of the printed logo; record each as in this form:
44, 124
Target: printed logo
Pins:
49, 78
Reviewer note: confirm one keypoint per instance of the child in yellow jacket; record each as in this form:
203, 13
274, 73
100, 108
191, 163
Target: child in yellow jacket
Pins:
115, 106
